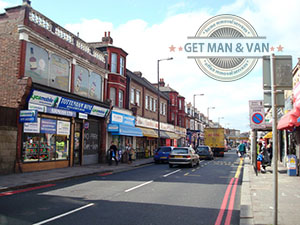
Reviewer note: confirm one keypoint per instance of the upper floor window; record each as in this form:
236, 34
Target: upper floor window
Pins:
164, 109
122, 63
150, 104
114, 62
121, 95
112, 95
179, 104
146, 102
137, 99
132, 96
161, 108
154, 105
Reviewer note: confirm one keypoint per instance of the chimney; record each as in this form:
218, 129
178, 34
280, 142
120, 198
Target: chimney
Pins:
107, 39
138, 73
161, 82
26, 2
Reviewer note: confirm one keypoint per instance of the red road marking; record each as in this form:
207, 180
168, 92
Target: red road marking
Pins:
26, 189
231, 203
224, 203
105, 174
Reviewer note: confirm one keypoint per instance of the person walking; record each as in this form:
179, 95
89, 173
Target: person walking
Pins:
270, 151
113, 153
242, 149
129, 151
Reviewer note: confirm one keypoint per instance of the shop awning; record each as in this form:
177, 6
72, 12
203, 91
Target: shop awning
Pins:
149, 132
268, 135
120, 129
287, 122
163, 134
172, 135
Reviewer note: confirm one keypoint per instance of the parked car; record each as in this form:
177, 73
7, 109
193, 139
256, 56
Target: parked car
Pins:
162, 154
183, 156
205, 152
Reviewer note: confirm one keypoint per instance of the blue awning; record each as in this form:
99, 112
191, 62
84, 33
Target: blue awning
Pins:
120, 129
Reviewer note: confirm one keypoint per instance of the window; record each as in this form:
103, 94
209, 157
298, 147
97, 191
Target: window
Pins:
112, 96
122, 62
154, 105
146, 102
161, 108
179, 104
137, 100
150, 104
121, 94
132, 96
164, 109
114, 62
173, 117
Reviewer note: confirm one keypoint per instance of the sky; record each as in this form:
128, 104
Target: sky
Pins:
146, 30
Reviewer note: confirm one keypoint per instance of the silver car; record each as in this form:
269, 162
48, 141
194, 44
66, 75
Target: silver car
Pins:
183, 156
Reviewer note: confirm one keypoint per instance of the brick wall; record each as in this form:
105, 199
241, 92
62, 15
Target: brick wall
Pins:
12, 88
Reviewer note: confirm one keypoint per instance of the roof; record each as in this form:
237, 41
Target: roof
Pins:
144, 82
167, 89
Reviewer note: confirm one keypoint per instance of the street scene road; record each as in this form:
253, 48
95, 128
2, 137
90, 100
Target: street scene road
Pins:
153, 194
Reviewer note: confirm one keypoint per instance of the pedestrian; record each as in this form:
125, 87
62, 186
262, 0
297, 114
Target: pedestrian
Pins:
270, 151
266, 159
129, 152
113, 153
242, 149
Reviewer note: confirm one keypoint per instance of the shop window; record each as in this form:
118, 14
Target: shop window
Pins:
49, 142
114, 62
112, 95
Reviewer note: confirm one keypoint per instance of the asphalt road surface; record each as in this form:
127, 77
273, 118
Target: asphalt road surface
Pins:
149, 195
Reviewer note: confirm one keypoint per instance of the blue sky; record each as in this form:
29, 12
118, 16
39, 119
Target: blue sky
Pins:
146, 30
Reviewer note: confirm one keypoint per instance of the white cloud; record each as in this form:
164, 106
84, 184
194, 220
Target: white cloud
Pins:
4, 4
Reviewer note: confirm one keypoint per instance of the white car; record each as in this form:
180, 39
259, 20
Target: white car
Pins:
183, 156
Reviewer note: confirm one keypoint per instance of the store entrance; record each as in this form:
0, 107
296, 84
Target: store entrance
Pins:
77, 144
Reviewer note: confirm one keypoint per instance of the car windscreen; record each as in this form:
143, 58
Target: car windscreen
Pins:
180, 151
167, 149
200, 149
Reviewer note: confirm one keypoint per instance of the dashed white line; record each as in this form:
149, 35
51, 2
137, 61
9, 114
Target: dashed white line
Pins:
171, 173
133, 188
64, 214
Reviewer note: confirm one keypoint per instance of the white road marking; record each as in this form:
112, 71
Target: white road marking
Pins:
64, 214
171, 173
131, 189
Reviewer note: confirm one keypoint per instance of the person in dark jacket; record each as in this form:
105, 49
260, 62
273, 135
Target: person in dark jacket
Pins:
113, 153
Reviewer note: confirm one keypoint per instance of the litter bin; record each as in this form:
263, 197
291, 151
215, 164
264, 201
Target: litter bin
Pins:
291, 165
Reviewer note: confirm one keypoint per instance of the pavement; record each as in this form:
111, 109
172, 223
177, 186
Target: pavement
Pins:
256, 191
257, 197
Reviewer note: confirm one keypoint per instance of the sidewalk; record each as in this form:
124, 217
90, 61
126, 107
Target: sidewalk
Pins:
257, 197
21, 180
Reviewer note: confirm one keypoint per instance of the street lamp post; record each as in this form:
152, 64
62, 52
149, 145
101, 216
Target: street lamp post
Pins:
208, 112
158, 101
195, 112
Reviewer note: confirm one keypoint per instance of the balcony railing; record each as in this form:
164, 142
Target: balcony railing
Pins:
40, 20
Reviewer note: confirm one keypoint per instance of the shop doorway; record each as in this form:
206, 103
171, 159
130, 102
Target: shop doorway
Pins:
77, 144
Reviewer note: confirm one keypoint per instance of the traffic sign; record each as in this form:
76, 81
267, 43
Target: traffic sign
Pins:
257, 118
257, 114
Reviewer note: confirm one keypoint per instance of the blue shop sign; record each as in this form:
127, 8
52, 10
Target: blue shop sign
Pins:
120, 118
54, 101
48, 126
60, 112
28, 116
121, 129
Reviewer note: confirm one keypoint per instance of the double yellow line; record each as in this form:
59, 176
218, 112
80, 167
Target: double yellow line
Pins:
238, 171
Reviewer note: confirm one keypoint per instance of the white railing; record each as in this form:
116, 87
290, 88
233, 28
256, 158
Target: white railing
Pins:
47, 24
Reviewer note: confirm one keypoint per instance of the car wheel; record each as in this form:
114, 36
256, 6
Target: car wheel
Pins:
170, 165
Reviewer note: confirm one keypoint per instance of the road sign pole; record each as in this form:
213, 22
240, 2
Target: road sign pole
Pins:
275, 144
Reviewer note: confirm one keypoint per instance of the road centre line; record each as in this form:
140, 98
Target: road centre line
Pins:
171, 173
186, 174
143, 184
64, 214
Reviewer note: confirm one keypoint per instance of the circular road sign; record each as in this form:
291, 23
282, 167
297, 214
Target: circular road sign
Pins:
257, 118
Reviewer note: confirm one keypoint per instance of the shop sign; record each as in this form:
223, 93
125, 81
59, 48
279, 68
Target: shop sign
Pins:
54, 101
112, 128
32, 127
143, 122
120, 118
60, 112
38, 108
63, 127
48, 126
82, 116
29, 116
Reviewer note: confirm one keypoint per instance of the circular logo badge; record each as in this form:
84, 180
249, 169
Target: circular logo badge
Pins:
226, 68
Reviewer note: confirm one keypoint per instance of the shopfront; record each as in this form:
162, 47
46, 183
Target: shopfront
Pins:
66, 132
122, 132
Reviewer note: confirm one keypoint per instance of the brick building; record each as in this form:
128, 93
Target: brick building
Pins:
59, 80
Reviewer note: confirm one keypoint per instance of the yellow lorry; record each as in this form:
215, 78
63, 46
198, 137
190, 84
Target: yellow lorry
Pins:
215, 139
